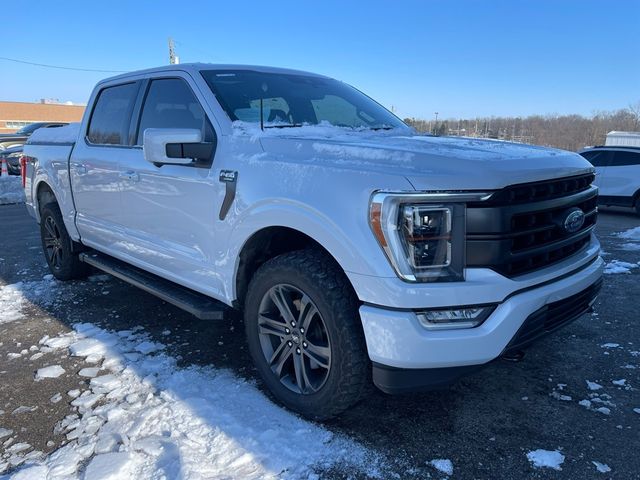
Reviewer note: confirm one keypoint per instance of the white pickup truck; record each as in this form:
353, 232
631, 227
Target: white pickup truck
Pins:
357, 250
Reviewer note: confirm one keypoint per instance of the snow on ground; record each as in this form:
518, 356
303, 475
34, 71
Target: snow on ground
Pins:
14, 297
546, 459
593, 385
11, 190
442, 465
632, 234
143, 417
53, 371
618, 266
601, 467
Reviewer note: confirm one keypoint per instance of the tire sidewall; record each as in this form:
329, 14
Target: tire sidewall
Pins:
306, 404
65, 272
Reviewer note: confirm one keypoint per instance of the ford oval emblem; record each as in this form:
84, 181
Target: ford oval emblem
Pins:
574, 221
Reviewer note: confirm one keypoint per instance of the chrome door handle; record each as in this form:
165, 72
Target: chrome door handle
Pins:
80, 168
130, 175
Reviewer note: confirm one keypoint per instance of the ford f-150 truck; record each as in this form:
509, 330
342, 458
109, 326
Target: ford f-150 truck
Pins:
358, 250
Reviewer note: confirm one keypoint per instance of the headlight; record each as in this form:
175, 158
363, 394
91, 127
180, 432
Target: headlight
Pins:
422, 235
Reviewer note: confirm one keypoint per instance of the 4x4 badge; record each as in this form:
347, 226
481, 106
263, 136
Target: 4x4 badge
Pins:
230, 177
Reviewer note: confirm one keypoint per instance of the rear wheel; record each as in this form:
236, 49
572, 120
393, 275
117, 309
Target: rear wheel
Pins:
304, 334
57, 245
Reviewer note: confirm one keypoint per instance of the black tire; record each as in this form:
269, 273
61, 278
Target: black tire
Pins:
57, 245
347, 378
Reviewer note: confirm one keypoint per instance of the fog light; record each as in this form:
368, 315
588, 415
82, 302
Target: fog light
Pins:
452, 319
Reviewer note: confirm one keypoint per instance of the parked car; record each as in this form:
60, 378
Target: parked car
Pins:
12, 157
9, 140
355, 248
617, 175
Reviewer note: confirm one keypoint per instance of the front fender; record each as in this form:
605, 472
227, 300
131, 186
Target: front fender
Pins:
350, 243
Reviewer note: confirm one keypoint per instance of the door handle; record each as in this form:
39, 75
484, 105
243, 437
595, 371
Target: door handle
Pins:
80, 168
130, 175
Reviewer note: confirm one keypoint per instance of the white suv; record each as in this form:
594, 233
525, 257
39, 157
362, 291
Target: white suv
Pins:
617, 175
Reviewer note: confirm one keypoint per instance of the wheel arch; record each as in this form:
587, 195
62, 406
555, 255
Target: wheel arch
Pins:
268, 243
44, 195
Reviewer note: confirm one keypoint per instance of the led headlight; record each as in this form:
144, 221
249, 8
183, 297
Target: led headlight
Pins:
422, 234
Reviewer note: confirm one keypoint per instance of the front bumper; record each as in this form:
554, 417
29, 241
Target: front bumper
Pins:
396, 340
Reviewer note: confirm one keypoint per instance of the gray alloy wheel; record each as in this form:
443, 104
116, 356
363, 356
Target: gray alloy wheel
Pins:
294, 339
52, 240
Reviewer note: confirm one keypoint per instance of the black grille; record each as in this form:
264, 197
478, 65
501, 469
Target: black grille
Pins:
553, 316
546, 190
514, 237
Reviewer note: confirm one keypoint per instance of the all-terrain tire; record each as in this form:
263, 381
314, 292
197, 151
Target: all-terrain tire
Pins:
64, 263
317, 276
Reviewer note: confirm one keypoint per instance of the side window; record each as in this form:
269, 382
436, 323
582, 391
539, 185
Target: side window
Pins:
621, 159
110, 118
170, 103
597, 158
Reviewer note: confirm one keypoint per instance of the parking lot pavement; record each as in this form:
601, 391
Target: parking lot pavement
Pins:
574, 393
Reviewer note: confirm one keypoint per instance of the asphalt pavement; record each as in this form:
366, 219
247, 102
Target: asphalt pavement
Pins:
485, 424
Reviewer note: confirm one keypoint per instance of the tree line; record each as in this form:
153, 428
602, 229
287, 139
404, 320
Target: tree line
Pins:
569, 132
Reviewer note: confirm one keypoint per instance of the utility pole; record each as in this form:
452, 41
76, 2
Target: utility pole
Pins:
173, 58
435, 128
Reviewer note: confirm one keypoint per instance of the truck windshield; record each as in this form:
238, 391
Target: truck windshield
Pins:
290, 100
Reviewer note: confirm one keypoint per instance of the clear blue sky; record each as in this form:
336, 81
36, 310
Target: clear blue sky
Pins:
460, 58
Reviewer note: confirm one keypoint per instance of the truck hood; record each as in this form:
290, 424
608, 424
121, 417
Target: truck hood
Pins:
431, 163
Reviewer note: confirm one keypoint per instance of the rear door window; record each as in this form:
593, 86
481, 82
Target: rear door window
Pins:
623, 159
109, 124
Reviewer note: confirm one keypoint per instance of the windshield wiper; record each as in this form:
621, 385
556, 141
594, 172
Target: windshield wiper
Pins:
284, 125
382, 128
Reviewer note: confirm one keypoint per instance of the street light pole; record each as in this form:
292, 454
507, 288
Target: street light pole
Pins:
435, 128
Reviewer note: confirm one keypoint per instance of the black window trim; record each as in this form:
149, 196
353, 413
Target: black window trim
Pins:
93, 107
134, 126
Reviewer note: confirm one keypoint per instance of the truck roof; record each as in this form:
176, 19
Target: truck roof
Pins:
196, 67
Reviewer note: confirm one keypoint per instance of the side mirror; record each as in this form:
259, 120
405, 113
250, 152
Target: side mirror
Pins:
177, 146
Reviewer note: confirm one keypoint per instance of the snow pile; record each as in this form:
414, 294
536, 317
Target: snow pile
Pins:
633, 239
618, 266
142, 417
14, 297
633, 234
53, 371
67, 134
601, 467
11, 301
11, 190
546, 458
442, 465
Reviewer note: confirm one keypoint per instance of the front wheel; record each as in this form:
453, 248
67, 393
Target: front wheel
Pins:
304, 334
57, 245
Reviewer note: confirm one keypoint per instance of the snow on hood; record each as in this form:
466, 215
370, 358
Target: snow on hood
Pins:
428, 162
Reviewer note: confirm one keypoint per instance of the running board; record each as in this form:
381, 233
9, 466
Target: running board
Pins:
199, 305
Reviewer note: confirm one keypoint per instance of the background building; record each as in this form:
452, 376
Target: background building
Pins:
15, 115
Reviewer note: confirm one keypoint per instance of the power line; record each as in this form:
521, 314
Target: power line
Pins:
61, 67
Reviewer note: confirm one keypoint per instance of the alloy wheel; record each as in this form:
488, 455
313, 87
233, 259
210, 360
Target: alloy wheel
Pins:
53, 243
294, 339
